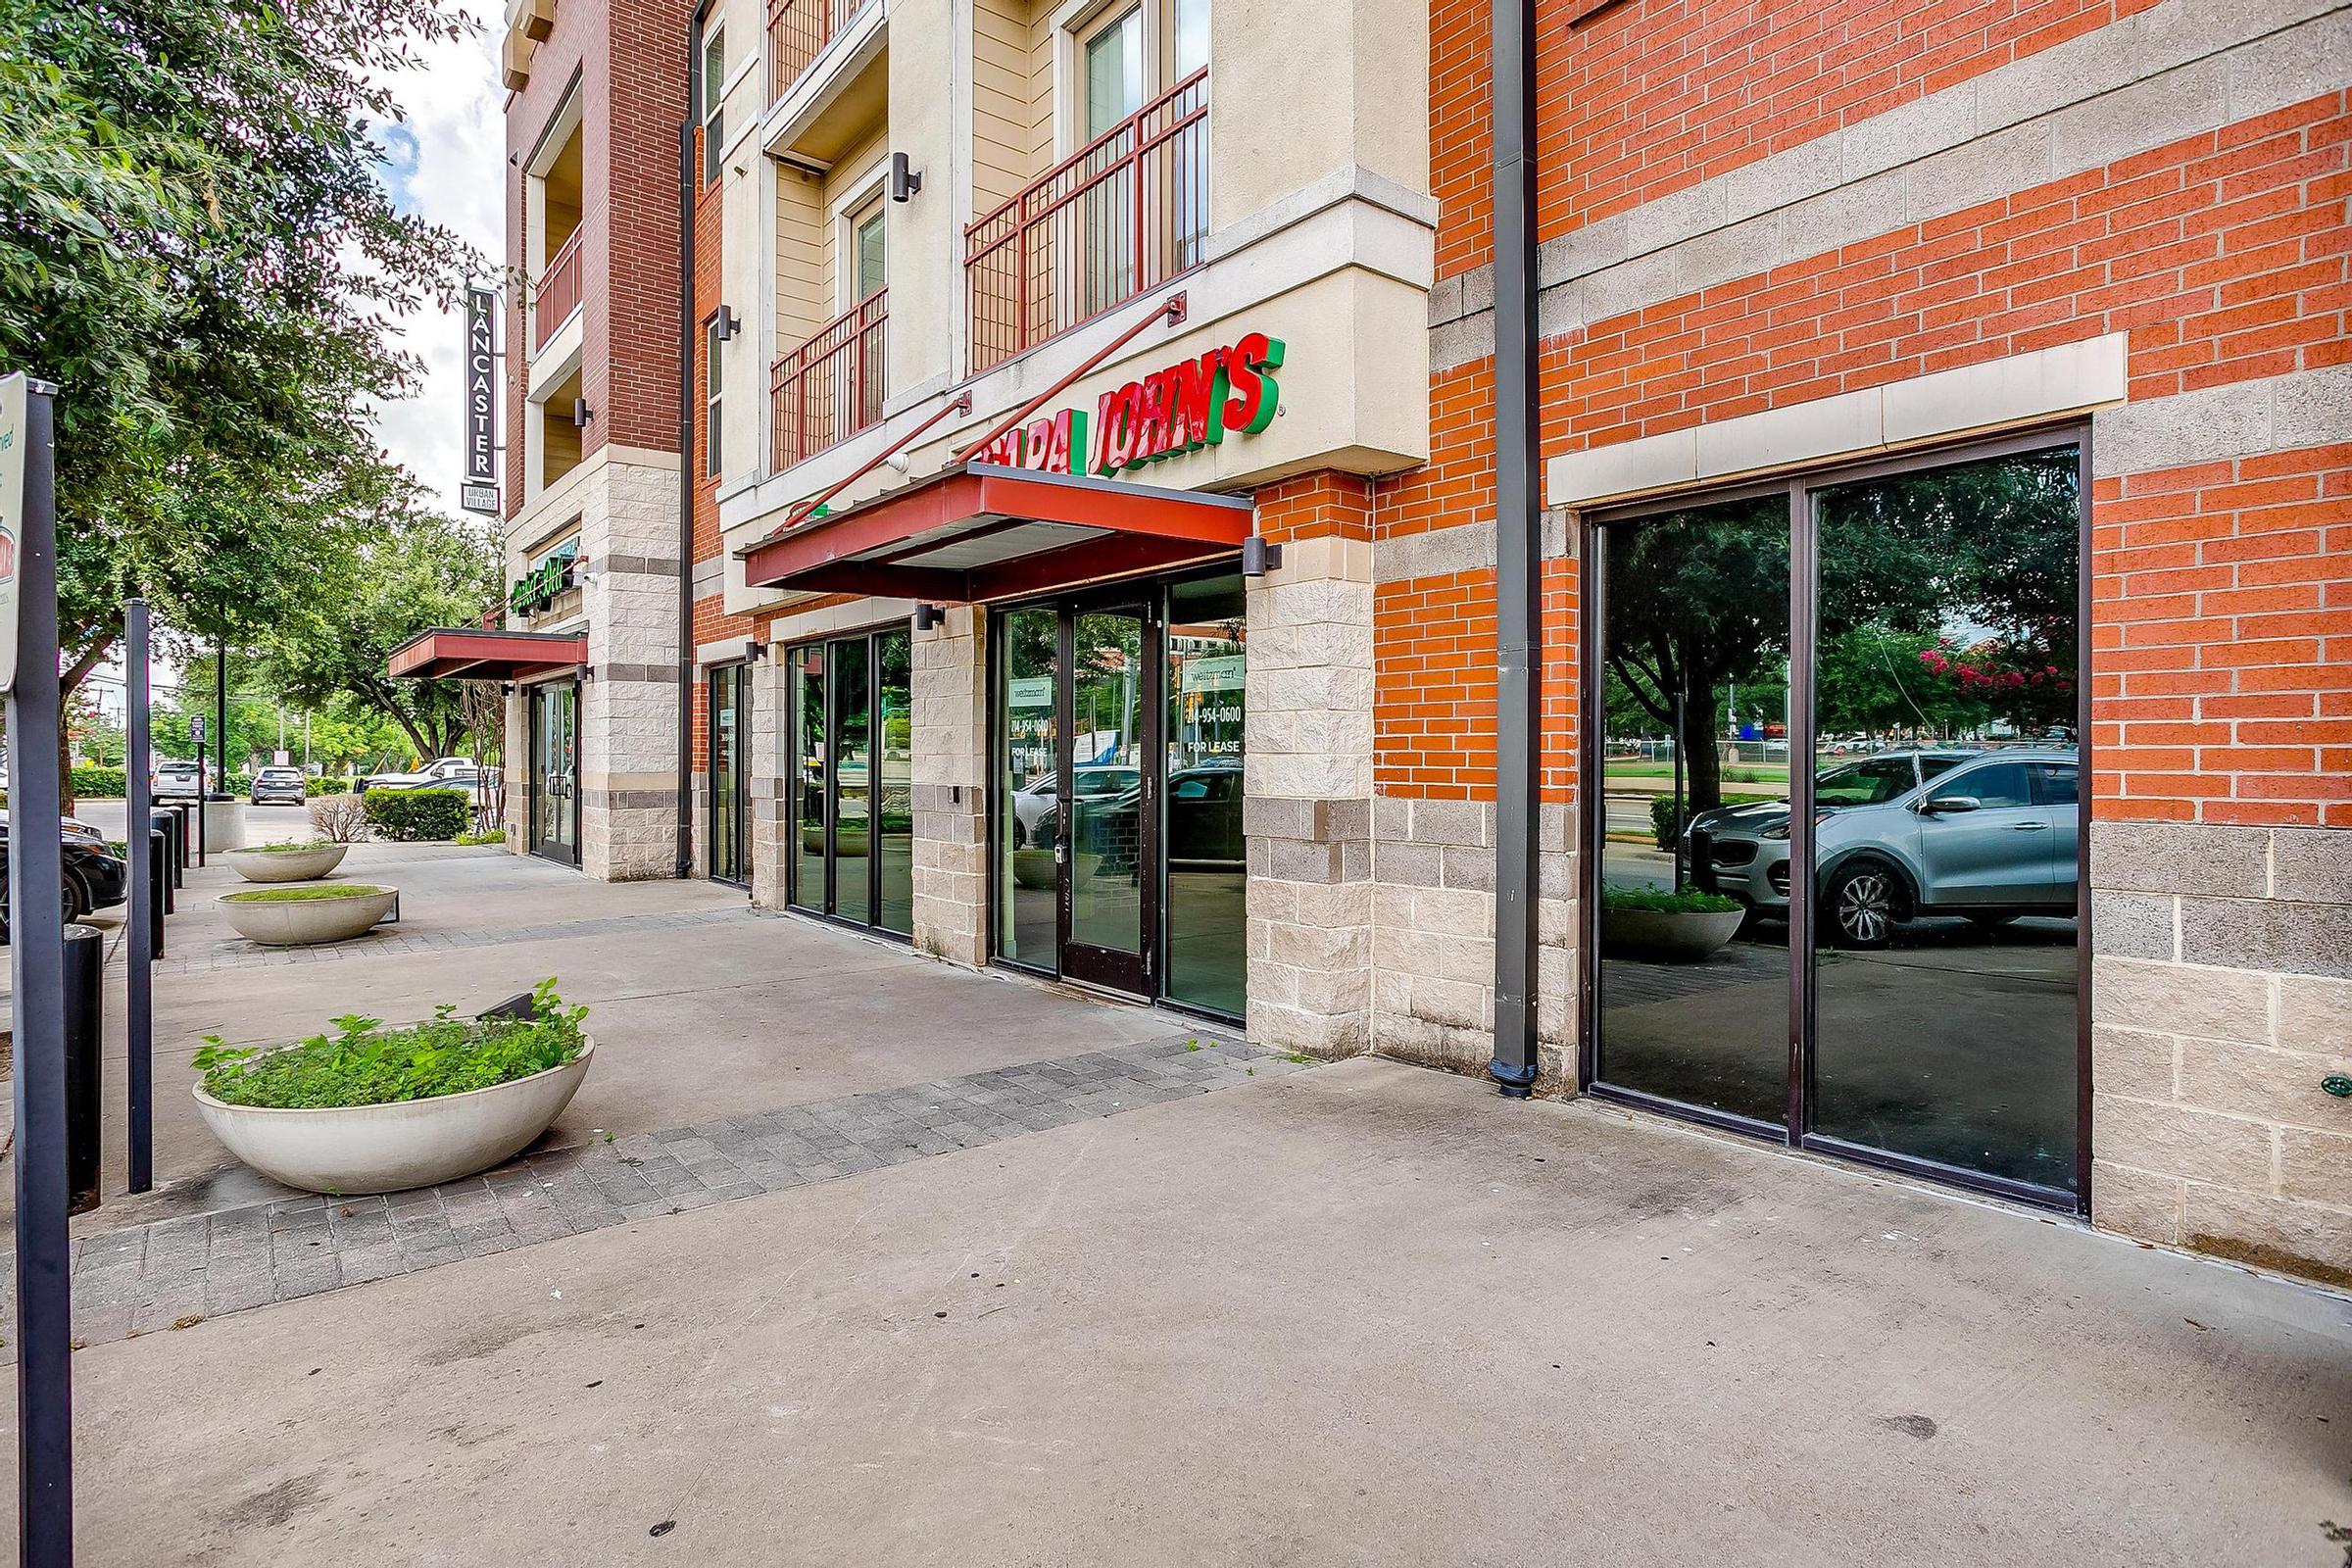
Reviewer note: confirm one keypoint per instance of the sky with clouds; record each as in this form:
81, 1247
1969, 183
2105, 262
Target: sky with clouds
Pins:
446, 162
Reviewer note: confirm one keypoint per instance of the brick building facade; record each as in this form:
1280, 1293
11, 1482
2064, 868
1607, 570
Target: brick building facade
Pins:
1972, 332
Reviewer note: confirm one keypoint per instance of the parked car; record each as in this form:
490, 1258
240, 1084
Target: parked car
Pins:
282, 784
425, 777
1986, 835
476, 783
175, 781
94, 879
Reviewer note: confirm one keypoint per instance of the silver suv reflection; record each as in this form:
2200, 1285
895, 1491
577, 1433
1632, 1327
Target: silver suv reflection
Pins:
1986, 835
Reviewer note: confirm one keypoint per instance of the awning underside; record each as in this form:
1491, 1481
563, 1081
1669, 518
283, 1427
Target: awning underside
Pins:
983, 532
459, 653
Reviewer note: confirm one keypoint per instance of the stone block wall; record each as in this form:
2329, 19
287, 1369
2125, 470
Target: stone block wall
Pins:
951, 787
629, 705
770, 804
2220, 997
1307, 783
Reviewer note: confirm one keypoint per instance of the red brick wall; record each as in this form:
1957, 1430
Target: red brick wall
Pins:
2222, 681
1308, 505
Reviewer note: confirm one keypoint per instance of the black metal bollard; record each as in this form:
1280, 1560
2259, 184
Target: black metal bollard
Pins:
159, 888
167, 821
85, 1032
188, 846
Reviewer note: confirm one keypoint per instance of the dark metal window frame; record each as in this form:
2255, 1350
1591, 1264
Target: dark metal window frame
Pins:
1153, 593
740, 806
789, 653
535, 735
1802, 487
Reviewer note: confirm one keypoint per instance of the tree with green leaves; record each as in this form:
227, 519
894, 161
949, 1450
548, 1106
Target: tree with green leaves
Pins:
198, 250
419, 572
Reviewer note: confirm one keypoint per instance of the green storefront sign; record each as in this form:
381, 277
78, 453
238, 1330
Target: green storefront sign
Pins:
539, 587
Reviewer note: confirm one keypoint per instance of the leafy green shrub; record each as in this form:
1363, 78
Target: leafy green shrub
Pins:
324, 785
327, 890
100, 783
363, 1064
496, 835
1664, 829
1662, 901
410, 817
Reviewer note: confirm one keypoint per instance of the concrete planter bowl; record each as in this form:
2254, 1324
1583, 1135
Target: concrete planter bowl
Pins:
307, 864
391, 1148
1676, 938
308, 922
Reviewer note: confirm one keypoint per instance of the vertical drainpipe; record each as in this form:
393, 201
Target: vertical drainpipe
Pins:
686, 453
1518, 546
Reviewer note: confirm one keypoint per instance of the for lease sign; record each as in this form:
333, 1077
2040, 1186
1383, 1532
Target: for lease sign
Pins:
1191, 403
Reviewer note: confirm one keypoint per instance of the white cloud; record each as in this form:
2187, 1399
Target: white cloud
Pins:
446, 163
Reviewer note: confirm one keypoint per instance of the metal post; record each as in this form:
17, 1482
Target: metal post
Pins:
36, 921
221, 706
1675, 838
146, 915
85, 1032
167, 872
201, 797
159, 891
1519, 552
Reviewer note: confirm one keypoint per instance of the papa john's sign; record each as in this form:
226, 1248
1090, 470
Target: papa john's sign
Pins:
1193, 404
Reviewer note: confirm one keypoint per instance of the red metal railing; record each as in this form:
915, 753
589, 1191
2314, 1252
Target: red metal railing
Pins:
1123, 215
558, 292
830, 387
797, 32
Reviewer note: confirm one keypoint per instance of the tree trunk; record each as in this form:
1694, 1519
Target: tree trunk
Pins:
1702, 754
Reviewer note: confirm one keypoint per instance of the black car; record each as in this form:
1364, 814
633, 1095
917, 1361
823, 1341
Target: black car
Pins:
93, 878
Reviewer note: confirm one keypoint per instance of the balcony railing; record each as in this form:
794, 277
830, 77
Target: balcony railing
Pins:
558, 292
1123, 215
797, 31
830, 387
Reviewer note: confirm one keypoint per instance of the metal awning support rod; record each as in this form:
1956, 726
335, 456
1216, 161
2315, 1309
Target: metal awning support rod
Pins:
962, 404
1172, 310
1519, 558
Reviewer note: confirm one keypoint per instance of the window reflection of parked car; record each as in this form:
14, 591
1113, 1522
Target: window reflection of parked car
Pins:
1987, 835
1204, 817
1033, 803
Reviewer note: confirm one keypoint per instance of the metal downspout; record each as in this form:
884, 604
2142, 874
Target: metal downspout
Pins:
686, 191
1518, 546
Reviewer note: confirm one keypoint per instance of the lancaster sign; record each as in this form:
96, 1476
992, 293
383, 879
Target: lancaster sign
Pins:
1192, 404
481, 490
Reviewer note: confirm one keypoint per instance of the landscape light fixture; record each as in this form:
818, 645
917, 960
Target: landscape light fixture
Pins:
904, 181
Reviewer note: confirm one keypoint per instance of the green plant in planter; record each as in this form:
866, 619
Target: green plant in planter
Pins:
363, 1064
287, 848
1662, 901
296, 894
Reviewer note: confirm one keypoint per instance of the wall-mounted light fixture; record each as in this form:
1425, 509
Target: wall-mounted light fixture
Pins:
728, 322
904, 181
1259, 557
754, 650
581, 414
926, 616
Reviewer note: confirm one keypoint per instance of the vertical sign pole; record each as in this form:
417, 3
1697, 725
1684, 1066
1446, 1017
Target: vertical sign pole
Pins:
143, 912
36, 928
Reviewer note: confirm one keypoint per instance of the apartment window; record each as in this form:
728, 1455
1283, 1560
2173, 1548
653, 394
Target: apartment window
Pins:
714, 114
710, 395
867, 260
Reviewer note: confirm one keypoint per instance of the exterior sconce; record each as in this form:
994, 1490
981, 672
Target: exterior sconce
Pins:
728, 324
754, 650
1258, 557
904, 181
581, 414
926, 616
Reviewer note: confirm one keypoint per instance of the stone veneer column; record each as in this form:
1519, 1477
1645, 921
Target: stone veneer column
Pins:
629, 708
771, 792
2220, 997
1307, 800
951, 787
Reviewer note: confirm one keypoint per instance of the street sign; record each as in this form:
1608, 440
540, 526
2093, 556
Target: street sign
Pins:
12, 518
196, 728
481, 497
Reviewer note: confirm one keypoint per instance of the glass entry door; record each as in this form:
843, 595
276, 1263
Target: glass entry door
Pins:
730, 720
851, 777
1108, 835
555, 827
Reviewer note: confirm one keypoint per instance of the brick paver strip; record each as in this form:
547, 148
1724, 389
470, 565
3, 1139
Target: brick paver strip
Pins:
388, 941
149, 1277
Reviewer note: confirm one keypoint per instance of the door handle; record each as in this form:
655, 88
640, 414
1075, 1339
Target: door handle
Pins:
2029, 827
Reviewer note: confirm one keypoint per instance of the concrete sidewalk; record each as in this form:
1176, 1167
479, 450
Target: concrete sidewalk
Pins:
1365, 1315
977, 1271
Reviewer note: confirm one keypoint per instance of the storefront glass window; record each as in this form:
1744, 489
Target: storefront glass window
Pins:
809, 778
893, 801
1201, 814
853, 778
1027, 787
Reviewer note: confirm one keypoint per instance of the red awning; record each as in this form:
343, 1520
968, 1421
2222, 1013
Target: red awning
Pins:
460, 653
979, 531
